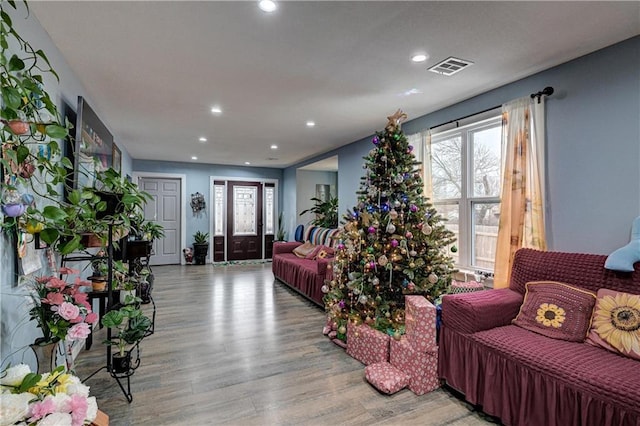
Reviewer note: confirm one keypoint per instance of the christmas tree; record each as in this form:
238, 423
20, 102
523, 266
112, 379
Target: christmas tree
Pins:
391, 244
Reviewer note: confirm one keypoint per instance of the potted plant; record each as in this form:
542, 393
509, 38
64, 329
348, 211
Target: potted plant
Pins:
145, 284
326, 212
100, 272
125, 282
200, 247
281, 235
129, 326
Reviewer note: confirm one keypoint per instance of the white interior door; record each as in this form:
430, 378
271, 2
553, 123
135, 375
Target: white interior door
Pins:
164, 208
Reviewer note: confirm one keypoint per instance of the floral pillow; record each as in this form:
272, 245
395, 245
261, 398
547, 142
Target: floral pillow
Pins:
616, 323
556, 310
320, 252
303, 250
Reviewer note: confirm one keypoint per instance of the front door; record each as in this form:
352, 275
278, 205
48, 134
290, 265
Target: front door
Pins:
164, 208
244, 220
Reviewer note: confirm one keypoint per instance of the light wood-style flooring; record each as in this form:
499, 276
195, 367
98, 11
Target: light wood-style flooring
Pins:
234, 346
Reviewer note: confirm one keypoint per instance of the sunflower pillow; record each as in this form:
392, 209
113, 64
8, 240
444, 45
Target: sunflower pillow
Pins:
616, 323
556, 310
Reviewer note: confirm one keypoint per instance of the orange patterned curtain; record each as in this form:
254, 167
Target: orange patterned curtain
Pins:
522, 201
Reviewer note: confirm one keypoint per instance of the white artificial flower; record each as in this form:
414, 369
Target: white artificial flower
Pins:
14, 375
13, 407
92, 409
78, 388
56, 419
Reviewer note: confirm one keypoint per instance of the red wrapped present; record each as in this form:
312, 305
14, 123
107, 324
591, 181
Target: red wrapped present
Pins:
385, 377
420, 323
366, 344
421, 367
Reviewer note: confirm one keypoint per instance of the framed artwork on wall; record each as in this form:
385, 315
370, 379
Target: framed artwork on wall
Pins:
117, 158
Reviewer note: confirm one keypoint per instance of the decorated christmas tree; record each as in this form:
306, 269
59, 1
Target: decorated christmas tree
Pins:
391, 244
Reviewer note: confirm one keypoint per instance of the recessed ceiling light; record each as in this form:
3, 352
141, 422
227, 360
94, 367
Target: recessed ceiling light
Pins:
311, 123
274, 146
194, 158
267, 5
247, 163
421, 57
216, 110
202, 139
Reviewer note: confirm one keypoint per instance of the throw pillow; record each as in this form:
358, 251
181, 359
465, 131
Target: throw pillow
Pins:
321, 252
304, 249
556, 310
616, 323
314, 252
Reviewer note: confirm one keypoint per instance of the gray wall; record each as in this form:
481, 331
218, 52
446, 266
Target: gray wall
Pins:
593, 146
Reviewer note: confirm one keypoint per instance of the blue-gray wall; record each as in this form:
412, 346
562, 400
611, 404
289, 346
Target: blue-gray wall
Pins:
306, 181
593, 146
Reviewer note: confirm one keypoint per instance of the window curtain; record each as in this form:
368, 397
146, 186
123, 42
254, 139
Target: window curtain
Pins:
522, 207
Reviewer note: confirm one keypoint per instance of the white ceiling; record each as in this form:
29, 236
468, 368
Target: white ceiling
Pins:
154, 69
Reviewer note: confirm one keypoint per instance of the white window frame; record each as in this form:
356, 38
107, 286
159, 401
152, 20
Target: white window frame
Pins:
467, 201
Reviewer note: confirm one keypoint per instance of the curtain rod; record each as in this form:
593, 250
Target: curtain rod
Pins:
547, 91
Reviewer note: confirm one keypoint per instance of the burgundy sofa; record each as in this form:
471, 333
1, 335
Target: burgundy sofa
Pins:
525, 378
306, 276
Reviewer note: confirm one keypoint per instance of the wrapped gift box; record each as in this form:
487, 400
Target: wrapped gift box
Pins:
366, 344
421, 367
420, 323
385, 377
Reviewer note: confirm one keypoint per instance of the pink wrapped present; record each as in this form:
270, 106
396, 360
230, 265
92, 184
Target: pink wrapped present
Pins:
421, 367
366, 344
465, 287
420, 323
385, 377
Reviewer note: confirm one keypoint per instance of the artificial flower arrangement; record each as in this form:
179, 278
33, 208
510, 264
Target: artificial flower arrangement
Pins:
51, 399
61, 309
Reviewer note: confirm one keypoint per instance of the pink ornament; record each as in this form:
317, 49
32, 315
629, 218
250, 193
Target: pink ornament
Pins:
413, 208
409, 235
340, 246
394, 243
372, 230
372, 264
411, 286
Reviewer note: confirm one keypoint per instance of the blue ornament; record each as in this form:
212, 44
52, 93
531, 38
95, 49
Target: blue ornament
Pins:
385, 207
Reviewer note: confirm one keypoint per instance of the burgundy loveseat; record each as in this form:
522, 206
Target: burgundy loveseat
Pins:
306, 276
525, 378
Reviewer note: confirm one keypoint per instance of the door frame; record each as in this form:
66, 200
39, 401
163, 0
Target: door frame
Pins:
136, 176
226, 180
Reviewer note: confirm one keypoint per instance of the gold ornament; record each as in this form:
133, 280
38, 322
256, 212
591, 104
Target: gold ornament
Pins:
395, 120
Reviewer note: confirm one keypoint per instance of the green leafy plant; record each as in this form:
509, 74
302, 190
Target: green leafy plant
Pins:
326, 212
281, 235
201, 237
129, 324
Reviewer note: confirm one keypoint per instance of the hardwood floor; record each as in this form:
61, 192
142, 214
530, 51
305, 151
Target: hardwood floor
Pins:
234, 346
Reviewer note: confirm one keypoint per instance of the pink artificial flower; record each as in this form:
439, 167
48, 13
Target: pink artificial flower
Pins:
80, 283
80, 297
56, 283
78, 407
79, 331
41, 409
68, 311
76, 319
67, 271
54, 299
42, 280
91, 318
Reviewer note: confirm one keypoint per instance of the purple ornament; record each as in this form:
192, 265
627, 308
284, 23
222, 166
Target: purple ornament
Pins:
341, 304
372, 264
410, 148
340, 246
372, 230
394, 243
413, 208
376, 140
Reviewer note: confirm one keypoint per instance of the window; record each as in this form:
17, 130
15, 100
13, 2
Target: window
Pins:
218, 226
269, 208
464, 165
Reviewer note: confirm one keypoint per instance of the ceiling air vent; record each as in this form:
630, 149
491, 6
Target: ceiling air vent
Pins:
450, 66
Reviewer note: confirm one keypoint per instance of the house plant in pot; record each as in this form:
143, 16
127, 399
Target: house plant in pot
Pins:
200, 247
129, 326
100, 272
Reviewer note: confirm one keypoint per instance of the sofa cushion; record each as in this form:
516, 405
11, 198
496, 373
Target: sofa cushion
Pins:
303, 250
616, 323
556, 310
320, 252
